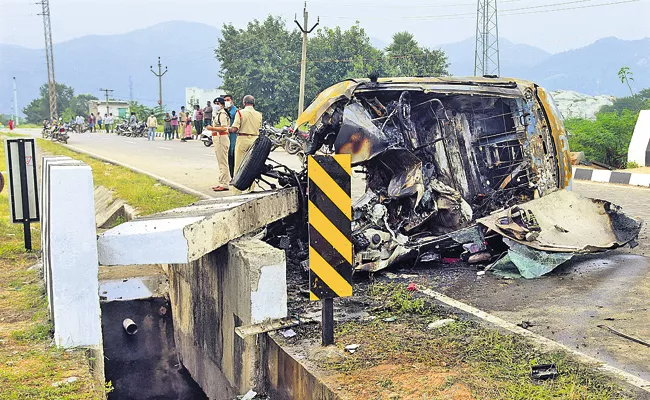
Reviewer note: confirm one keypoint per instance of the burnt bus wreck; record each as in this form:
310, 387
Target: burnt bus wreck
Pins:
438, 154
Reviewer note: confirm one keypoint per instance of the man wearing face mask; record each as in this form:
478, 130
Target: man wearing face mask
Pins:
231, 110
247, 125
219, 128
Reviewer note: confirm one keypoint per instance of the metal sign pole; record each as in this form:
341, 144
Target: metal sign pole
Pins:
327, 332
330, 234
25, 195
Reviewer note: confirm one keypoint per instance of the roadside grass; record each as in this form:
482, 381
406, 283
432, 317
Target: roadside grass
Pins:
403, 359
143, 193
29, 363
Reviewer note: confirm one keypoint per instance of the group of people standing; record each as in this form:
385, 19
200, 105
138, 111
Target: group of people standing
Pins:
233, 133
95, 122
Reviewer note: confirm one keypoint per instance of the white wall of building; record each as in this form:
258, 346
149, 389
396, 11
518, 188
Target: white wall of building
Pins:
640, 143
113, 107
195, 95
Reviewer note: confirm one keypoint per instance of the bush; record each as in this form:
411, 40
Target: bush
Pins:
606, 139
632, 164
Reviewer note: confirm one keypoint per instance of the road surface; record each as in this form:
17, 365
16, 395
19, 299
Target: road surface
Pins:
567, 305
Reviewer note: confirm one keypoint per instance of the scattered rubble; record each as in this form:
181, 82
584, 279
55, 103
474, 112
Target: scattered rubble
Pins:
440, 323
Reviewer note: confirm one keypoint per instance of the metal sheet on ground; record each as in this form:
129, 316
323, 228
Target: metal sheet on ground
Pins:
330, 231
572, 223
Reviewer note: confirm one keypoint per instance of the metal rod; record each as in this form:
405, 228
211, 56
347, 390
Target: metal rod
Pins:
328, 322
129, 326
617, 333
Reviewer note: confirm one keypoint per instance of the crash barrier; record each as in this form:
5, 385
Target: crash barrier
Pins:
70, 266
606, 176
639, 149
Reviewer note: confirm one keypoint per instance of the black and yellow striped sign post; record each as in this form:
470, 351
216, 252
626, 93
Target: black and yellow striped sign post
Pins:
330, 234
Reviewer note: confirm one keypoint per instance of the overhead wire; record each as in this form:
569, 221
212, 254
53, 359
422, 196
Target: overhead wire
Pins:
504, 12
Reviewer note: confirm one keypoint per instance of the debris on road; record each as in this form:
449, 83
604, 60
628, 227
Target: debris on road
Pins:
525, 324
412, 287
617, 333
543, 372
352, 348
289, 333
440, 323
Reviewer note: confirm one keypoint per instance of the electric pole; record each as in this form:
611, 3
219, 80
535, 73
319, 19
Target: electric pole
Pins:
130, 89
15, 103
159, 75
486, 56
49, 57
303, 64
106, 92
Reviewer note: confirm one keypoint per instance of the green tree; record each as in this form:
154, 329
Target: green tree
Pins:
39, 108
606, 139
405, 57
334, 55
636, 102
259, 61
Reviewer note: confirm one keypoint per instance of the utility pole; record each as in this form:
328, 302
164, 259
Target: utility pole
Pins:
15, 103
159, 75
303, 64
49, 56
106, 92
130, 89
486, 55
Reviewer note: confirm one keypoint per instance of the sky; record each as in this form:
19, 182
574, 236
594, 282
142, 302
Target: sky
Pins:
553, 25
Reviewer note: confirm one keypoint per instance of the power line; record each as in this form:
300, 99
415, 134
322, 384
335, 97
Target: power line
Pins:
501, 12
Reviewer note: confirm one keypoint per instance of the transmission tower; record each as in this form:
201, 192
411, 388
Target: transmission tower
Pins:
49, 57
486, 56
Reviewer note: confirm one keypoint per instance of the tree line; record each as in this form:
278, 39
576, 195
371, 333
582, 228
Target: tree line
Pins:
607, 138
264, 60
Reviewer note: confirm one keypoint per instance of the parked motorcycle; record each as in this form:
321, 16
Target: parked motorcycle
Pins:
59, 133
206, 138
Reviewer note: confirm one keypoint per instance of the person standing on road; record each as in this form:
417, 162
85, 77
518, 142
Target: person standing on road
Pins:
198, 120
174, 125
182, 116
108, 121
247, 125
231, 110
188, 128
133, 121
11, 124
167, 128
91, 122
152, 124
207, 114
99, 121
219, 128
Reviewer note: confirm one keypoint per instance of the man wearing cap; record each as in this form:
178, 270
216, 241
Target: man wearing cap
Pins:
247, 125
219, 128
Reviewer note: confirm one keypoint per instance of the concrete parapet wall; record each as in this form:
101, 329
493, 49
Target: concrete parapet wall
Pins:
186, 234
238, 284
70, 253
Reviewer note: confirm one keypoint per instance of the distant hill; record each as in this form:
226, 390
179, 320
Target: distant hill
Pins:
513, 57
93, 62
591, 69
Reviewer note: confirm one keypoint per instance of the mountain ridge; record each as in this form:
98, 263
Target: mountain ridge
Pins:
92, 62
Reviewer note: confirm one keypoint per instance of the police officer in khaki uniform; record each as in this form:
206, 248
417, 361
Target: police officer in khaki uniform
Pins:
221, 141
247, 125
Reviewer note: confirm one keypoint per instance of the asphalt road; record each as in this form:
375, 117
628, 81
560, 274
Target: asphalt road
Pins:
567, 305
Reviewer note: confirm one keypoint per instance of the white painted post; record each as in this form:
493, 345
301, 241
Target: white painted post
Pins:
71, 253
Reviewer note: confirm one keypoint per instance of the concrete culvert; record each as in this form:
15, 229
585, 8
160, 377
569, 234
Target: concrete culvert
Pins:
129, 326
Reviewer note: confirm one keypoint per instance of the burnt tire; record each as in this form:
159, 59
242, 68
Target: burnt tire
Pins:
253, 163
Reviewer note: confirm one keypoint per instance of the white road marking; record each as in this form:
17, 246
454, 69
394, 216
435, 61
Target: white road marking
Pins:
165, 148
128, 141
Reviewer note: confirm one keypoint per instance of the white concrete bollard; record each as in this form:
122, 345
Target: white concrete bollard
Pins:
70, 251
